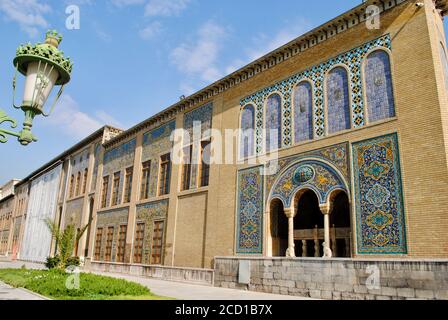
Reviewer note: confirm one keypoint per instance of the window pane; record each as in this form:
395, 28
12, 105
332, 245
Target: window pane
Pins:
379, 92
205, 165
186, 168
273, 122
247, 132
338, 100
303, 112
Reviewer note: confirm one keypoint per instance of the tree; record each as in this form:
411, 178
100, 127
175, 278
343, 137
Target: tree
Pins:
66, 240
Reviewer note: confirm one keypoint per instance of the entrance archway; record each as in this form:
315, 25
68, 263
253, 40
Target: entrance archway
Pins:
278, 228
308, 225
340, 222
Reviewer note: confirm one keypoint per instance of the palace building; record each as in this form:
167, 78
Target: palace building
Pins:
358, 108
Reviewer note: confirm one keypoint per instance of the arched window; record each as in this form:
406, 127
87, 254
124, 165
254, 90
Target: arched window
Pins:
247, 146
379, 92
303, 112
338, 100
273, 122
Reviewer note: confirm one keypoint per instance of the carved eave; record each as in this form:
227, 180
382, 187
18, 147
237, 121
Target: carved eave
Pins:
442, 6
308, 40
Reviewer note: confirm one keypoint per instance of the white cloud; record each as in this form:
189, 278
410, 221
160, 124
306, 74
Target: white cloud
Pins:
151, 30
124, 3
199, 58
29, 14
165, 8
68, 117
263, 46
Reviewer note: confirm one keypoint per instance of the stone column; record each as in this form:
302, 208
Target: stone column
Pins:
325, 209
290, 252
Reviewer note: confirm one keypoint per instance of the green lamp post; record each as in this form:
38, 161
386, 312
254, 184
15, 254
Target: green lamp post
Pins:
44, 67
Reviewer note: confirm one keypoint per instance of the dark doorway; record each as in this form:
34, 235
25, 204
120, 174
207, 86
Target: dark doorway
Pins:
308, 226
340, 224
279, 229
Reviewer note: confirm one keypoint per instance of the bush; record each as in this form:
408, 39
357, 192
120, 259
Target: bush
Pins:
53, 262
72, 262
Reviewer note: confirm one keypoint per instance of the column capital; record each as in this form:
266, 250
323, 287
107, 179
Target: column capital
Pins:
325, 209
290, 213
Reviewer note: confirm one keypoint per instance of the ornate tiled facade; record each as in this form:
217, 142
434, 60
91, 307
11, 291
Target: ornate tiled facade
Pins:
250, 211
352, 60
202, 115
308, 174
121, 156
336, 155
380, 219
112, 218
147, 214
73, 212
156, 143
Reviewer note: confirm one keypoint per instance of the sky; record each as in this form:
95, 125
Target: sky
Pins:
134, 58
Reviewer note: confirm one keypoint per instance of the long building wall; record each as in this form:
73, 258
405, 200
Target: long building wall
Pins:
364, 136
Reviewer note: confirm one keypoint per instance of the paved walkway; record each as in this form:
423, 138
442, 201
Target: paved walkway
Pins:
10, 293
177, 290
184, 291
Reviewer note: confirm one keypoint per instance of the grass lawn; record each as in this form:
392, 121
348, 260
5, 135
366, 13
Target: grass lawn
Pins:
52, 284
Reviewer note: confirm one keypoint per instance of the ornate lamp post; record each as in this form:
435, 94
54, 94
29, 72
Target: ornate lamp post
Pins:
44, 66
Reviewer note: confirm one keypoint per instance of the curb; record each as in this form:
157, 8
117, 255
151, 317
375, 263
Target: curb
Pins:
35, 294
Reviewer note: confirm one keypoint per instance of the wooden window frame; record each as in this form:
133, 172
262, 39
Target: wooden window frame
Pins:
116, 188
121, 247
204, 170
98, 243
129, 176
84, 181
78, 184
139, 242
157, 250
105, 192
186, 168
165, 174
108, 252
145, 180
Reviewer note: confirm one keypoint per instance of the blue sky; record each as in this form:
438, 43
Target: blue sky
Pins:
134, 58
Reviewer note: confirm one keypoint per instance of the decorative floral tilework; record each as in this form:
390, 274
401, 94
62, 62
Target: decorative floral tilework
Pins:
119, 157
352, 59
155, 143
250, 211
148, 213
336, 155
380, 220
319, 177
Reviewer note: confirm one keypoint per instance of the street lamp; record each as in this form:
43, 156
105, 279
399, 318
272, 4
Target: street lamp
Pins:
44, 66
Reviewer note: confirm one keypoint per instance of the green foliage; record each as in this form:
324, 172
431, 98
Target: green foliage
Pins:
66, 240
52, 283
53, 262
73, 261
